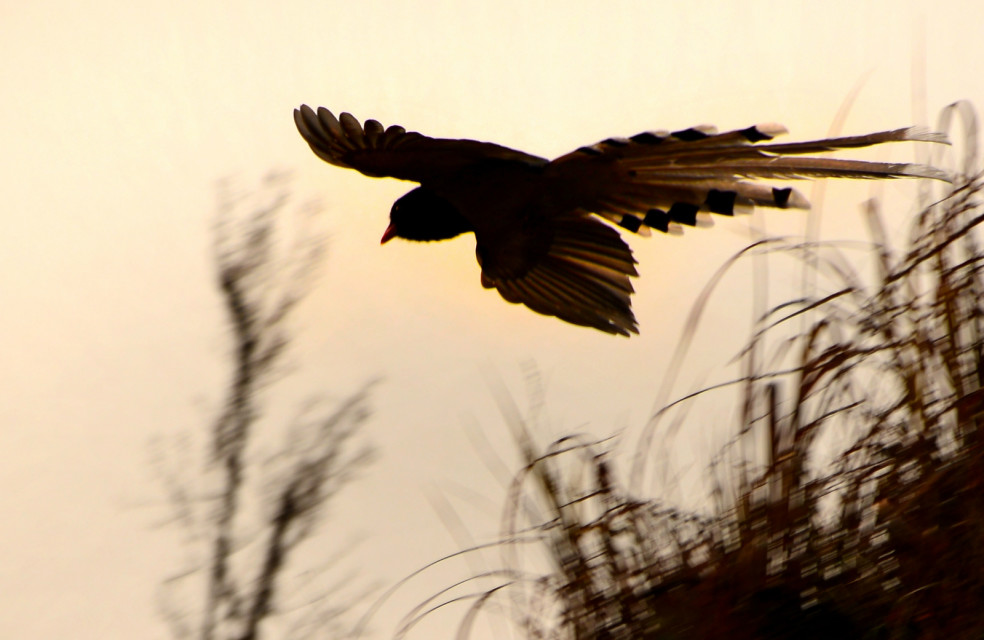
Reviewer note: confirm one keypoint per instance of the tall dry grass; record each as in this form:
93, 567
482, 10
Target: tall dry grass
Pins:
866, 517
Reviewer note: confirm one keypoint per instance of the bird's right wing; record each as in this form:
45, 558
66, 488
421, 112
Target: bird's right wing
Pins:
395, 152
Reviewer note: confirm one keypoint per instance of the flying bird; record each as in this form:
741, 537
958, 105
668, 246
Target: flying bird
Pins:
545, 230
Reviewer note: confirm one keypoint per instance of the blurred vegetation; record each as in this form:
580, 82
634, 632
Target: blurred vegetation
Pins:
866, 517
246, 515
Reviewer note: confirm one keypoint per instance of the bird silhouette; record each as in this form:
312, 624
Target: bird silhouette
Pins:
544, 228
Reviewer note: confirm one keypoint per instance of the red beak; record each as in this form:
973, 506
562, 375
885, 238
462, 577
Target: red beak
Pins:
389, 234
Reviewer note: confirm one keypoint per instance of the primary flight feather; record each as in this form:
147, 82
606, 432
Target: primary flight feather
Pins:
540, 238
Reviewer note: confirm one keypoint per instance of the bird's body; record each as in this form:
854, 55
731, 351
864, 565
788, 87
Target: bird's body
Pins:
539, 237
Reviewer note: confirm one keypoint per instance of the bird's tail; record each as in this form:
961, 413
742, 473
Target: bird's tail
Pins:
665, 178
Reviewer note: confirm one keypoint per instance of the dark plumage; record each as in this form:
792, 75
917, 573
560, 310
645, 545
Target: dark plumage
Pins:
539, 237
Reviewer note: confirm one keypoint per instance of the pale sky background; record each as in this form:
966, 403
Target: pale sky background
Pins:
119, 117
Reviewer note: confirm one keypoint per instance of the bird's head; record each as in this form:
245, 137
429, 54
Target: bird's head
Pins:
422, 215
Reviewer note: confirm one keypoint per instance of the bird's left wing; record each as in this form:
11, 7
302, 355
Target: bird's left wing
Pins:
395, 152
580, 274
654, 179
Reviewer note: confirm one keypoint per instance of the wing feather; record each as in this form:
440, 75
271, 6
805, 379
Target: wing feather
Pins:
394, 152
374, 133
583, 277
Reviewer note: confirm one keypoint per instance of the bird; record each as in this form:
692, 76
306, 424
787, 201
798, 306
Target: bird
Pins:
547, 231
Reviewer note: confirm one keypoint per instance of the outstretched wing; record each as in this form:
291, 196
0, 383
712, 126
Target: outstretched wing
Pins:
582, 275
654, 179
394, 152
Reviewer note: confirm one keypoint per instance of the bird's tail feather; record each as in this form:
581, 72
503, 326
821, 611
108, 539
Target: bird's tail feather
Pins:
660, 180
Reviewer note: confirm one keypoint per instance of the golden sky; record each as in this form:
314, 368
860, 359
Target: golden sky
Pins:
119, 117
